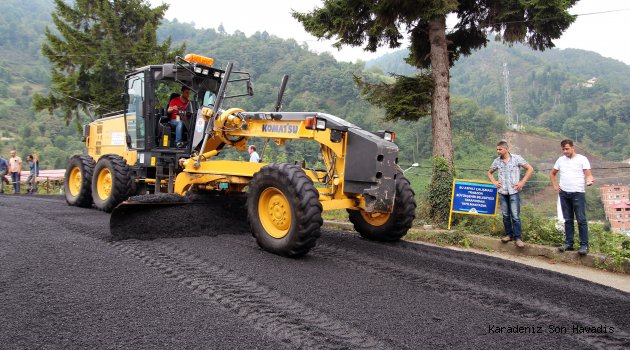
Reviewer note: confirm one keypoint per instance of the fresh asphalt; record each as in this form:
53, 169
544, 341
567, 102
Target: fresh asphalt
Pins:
65, 284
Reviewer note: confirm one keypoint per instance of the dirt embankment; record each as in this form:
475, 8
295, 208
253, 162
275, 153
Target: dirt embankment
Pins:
543, 152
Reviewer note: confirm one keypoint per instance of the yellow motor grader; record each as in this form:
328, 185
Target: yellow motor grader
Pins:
133, 168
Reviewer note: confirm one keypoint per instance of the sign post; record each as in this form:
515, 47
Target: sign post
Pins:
473, 198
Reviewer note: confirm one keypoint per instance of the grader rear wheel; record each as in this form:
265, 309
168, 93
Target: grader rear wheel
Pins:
388, 227
283, 209
112, 182
78, 181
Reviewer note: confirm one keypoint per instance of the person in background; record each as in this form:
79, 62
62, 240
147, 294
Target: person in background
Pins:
253, 155
575, 173
4, 169
31, 181
509, 186
15, 169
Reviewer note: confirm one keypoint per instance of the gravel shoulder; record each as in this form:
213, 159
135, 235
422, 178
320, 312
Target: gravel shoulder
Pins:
612, 279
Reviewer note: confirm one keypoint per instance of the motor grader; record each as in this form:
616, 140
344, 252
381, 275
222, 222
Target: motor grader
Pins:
133, 168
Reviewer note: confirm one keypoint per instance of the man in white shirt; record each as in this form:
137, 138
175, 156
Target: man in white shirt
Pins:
575, 173
253, 155
15, 169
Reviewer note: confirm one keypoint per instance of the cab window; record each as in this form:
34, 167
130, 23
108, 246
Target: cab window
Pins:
135, 111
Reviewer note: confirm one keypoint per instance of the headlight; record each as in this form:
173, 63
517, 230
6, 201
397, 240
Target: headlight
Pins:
197, 70
386, 135
205, 72
315, 123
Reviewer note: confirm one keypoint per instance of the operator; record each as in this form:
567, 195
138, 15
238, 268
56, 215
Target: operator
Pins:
175, 107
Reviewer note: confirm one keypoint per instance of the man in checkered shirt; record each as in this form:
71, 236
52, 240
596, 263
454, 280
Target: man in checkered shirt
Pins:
509, 185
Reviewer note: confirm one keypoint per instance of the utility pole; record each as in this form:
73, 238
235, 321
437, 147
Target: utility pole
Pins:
508, 96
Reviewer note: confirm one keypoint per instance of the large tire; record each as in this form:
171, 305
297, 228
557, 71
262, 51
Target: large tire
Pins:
388, 227
112, 182
283, 209
78, 181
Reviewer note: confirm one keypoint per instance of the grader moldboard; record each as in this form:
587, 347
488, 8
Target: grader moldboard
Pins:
134, 170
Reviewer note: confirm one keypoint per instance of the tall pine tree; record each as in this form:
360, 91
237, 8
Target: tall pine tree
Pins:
95, 43
376, 23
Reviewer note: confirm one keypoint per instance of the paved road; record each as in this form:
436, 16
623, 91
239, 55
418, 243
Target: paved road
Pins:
65, 285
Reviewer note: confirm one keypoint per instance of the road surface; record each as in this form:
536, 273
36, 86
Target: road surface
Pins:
64, 284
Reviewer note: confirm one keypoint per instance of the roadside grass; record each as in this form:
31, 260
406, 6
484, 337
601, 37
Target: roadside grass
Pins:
335, 215
544, 231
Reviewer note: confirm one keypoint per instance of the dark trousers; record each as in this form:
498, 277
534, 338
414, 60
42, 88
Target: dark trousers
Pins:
3, 180
15, 177
574, 208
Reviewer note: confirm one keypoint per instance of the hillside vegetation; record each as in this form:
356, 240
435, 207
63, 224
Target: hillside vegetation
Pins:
549, 90
546, 89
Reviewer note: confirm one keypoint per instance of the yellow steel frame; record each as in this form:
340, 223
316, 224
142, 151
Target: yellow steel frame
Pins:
228, 128
105, 138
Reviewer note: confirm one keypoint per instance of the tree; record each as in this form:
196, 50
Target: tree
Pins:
383, 22
98, 41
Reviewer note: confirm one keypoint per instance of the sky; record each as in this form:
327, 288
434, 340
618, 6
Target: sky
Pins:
602, 25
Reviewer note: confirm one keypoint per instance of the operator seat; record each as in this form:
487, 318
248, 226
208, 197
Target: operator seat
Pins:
164, 127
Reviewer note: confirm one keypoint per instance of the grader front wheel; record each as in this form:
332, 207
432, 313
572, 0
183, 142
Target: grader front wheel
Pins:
283, 209
112, 182
392, 226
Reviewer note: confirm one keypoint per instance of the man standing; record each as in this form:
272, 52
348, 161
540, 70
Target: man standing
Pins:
33, 164
15, 169
575, 172
509, 185
175, 107
4, 169
253, 155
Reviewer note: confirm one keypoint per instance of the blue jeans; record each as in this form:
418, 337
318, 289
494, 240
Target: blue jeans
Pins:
15, 177
574, 203
179, 129
511, 209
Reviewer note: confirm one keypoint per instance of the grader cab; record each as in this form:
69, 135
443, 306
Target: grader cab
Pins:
134, 169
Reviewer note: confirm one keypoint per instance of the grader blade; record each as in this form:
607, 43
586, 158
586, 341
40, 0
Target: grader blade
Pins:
160, 216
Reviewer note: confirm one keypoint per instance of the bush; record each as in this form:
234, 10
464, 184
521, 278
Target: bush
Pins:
482, 225
439, 195
609, 243
537, 229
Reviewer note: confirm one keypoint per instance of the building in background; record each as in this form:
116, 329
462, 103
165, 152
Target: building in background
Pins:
616, 200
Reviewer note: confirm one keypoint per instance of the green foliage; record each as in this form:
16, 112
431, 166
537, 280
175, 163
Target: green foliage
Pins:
408, 98
612, 244
594, 205
94, 43
483, 225
440, 189
537, 229
317, 83
549, 97
373, 24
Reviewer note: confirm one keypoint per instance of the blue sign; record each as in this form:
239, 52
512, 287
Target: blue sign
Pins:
474, 198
